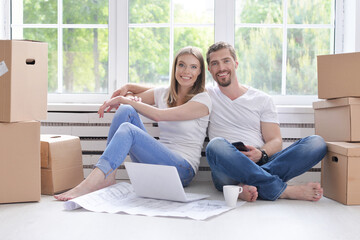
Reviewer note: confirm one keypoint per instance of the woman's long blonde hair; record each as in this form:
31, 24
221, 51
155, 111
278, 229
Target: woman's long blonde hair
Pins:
199, 84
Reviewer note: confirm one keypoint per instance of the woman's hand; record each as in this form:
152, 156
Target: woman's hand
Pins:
135, 98
123, 91
110, 104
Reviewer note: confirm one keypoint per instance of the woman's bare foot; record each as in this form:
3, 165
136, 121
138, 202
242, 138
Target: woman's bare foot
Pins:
249, 193
95, 181
309, 192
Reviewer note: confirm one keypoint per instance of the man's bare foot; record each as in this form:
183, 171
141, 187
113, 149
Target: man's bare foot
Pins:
95, 181
309, 192
249, 193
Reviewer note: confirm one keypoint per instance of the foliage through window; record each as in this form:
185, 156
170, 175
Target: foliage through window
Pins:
277, 41
156, 33
80, 64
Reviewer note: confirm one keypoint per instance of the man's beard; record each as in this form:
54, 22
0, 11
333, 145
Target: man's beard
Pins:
224, 84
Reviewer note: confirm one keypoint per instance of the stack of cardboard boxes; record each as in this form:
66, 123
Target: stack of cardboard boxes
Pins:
23, 103
337, 120
25, 154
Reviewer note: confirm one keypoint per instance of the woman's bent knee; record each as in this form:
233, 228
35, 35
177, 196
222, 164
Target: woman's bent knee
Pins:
125, 108
127, 126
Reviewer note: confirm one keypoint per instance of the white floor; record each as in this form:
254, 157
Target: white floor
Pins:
282, 219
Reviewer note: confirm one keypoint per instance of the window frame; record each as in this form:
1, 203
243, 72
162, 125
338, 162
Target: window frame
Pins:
347, 39
77, 97
283, 98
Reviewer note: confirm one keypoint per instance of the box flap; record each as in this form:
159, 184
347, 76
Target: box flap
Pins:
44, 154
25, 40
5, 83
46, 140
335, 102
52, 138
344, 148
64, 151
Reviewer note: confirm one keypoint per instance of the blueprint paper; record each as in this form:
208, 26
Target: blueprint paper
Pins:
121, 197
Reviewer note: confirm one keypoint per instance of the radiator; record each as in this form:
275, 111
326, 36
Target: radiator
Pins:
295, 123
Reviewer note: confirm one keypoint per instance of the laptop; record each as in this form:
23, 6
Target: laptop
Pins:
159, 182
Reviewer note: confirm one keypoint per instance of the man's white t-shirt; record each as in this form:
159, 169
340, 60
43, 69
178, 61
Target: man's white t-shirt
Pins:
239, 119
184, 137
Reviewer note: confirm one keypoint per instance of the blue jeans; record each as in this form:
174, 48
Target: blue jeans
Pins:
127, 134
230, 166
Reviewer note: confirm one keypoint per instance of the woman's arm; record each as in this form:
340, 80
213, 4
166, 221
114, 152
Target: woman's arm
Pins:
147, 96
131, 89
188, 111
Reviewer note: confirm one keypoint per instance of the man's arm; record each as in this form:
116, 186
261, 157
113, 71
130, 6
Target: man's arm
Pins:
272, 138
273, 142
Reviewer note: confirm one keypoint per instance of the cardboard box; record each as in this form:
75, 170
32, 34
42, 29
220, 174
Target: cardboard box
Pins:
338, 120
338, 75
340, 169
23, 80
20, 162
61, 163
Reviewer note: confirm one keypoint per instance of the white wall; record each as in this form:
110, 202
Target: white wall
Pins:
351, 26
4, 19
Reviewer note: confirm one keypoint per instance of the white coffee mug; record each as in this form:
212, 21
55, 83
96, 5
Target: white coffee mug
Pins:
231, 194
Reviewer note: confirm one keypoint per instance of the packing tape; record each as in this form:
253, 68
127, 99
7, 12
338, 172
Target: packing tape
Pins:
3, 68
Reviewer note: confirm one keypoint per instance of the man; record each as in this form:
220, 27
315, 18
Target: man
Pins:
242, 113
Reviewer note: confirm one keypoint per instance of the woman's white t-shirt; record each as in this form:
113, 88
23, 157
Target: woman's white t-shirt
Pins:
239, 119
184, 137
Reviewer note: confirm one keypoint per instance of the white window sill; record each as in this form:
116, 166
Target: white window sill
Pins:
77, 107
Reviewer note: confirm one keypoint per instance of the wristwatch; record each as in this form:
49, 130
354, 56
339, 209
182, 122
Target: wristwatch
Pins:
264, 158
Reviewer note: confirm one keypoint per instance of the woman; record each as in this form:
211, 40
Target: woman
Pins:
182, 111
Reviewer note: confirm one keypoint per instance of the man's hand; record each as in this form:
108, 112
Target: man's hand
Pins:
253, 154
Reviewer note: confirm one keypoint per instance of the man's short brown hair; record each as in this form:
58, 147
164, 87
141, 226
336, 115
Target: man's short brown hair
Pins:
218, 46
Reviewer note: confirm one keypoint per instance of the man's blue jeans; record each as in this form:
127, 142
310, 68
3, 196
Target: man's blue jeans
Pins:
127, 134
230, 166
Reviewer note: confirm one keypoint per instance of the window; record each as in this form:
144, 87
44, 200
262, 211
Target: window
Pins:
95, 46
77, 36
158, 29
277, 43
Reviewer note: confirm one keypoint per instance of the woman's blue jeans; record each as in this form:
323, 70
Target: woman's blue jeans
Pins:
127, 135
230, 166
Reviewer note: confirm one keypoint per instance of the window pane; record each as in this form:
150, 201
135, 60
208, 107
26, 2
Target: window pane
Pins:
85, 61
310, 11
34, 11
44, 35
145, 11
85, 12
261, 11
201, 37
190, 11
149, 55
259, 52
303, 47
